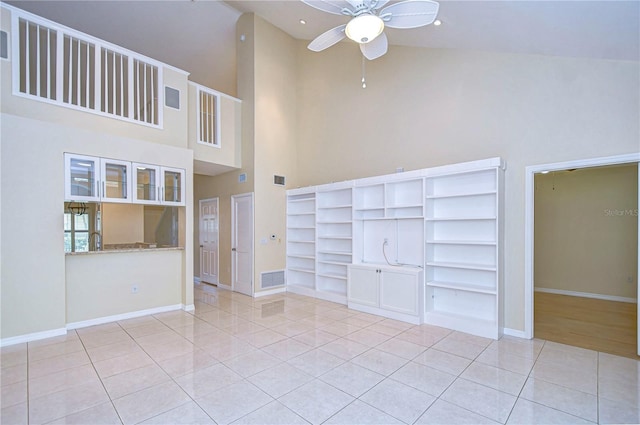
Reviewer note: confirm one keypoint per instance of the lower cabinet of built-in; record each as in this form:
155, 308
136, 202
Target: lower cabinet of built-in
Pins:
396, 292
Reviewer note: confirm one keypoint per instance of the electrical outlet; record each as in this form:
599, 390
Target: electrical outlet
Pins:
134, 289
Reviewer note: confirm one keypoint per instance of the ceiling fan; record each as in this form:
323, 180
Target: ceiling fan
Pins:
368, 19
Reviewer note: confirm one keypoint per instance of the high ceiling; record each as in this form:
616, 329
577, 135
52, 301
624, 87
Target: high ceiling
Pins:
199, 36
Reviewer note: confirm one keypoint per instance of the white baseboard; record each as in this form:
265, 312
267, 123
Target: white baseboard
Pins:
514, 332
223, 286
588, 295
124, 316
188, 308
13, 340
279, 290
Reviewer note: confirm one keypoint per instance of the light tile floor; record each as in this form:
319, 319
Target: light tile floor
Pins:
289, 359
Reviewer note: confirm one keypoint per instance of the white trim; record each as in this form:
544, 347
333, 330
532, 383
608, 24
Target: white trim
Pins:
273, 291
514, 332
123, 316
253, 238
219, 93
225, 287
13, 340
587, 295
189, 308
528, 219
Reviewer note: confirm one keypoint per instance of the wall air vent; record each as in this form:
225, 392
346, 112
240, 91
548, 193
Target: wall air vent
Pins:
4, 45
171, 97
278, 180
271, 279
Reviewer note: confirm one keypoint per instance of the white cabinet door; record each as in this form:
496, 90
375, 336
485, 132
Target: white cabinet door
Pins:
146, 183
400, 291
363, 286
81, 178
173, 185
115, 180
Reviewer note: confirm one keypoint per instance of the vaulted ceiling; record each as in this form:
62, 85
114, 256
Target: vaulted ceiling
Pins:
199, 35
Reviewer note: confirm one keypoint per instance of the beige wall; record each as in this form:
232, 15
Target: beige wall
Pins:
586, 230
275, 141
33, 274
427, 107
227, 155
226, 185
122, 223
267, 72
100, 285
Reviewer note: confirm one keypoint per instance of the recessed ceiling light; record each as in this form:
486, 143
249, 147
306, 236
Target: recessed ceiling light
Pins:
437, 22
302, 21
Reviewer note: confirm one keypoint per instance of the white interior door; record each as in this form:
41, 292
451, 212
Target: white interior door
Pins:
209, 239
242, 243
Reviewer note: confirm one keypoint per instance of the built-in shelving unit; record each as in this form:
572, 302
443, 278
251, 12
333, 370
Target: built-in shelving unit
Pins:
334, 239
462, 251
301, 239
423, 246
389, 221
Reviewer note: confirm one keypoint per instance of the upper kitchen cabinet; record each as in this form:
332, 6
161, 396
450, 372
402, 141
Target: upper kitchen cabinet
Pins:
88, 178
93, 179
153, 184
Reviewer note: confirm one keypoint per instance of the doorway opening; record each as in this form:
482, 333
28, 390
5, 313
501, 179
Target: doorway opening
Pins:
585, 257
581, 253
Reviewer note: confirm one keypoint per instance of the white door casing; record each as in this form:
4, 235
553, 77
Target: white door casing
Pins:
209, 240
242, 243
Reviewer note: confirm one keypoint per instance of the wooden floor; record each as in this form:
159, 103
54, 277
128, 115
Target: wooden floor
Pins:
606, 326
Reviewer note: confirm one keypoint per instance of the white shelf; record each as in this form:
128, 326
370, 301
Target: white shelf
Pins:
461, 287
461, 218
460, 242
335, 252
331, 207
335, 263
296, 269
306, 257
333, 222
296, 241
468, 266
333, 276
335, 237
461, 194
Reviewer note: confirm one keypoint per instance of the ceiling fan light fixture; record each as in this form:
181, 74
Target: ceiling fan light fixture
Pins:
364, 28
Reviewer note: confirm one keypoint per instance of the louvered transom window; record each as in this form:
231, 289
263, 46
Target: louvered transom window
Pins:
66, 67
208, 117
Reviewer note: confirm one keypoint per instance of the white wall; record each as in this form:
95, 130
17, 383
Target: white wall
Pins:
428, 107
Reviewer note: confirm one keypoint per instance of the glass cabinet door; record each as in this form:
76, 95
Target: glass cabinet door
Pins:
82, 177
116, 182
173, 186
146, 184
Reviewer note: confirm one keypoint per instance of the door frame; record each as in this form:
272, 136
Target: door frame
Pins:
530, 171
233, 230
200, 202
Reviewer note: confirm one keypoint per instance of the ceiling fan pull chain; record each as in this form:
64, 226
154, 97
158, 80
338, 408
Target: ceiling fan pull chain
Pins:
364, 83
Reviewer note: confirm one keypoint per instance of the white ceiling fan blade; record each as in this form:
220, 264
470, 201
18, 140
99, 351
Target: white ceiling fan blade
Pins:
376, 48
332, 6
327, 39
379, 4
410, 13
